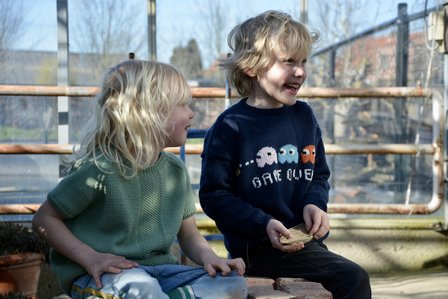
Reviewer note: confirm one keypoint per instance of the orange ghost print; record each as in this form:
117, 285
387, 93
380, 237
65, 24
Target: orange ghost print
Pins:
308, 154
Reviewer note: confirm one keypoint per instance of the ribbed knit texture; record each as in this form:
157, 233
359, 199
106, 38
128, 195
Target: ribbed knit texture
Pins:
137, 218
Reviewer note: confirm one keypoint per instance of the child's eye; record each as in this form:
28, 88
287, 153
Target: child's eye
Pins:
293, 61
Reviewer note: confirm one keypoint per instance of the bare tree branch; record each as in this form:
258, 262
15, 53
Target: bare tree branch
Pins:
12, 24
214, 30
107, 29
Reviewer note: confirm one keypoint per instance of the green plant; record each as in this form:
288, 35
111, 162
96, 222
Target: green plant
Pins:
16, 238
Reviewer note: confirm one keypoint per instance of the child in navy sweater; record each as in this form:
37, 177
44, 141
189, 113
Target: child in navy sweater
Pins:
264, 168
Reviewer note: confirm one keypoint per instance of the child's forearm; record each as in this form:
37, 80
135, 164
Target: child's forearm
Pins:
193, 243
198, 250
49, 224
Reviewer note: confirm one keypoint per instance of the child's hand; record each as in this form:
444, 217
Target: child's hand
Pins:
275, 229
213, 264
316, 221
100, 263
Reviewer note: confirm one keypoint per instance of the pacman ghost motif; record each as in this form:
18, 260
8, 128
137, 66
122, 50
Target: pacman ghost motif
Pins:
308, 154
288, 153
267, 155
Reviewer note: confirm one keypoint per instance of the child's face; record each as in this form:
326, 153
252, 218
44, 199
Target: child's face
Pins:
279, 83
177, 124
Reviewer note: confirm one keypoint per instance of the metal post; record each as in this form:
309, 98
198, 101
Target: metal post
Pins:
63, 74
304, 12
445, 109
401, 72
228, 89
401, 69
152, 30
332, 56
331, 113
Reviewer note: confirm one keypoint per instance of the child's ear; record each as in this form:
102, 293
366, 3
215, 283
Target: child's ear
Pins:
250, 73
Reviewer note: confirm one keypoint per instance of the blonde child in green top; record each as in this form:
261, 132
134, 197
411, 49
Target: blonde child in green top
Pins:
112, 220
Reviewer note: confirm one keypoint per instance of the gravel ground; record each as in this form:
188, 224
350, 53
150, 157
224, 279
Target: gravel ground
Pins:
422, 285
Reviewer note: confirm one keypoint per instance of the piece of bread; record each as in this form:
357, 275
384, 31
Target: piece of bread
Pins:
298, 234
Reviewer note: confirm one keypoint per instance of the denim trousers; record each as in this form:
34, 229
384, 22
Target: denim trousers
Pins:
342, 277
155, 281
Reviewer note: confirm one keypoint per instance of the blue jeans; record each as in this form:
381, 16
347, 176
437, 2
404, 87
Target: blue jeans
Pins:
155, 281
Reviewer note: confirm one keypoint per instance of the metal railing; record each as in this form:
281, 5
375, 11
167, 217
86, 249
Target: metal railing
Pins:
435, 149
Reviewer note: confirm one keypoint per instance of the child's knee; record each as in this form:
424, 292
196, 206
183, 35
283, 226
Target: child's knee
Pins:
226, 287
358, 277
363, 277
236, 286
135, 283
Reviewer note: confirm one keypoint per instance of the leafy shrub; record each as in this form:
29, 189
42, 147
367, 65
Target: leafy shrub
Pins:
16, 238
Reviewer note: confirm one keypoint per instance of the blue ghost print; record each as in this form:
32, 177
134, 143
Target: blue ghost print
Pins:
288, 153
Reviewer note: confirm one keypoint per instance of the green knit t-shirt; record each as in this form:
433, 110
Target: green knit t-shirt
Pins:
137, 218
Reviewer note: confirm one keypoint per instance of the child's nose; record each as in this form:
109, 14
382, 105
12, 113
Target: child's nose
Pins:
190, 113
299, 71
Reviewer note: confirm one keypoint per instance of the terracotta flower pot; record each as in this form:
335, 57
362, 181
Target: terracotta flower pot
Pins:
19, 273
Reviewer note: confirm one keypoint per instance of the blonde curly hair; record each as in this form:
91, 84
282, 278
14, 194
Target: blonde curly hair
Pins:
131, 110
254, 41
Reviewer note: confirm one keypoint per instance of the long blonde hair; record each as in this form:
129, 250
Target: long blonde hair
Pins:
254, 41
131, 110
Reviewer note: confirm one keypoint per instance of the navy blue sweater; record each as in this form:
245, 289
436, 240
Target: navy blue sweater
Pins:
260, 164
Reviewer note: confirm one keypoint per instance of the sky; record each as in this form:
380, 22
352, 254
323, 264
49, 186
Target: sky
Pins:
178, 21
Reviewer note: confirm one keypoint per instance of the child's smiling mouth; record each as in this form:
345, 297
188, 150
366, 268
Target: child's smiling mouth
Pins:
294, 87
